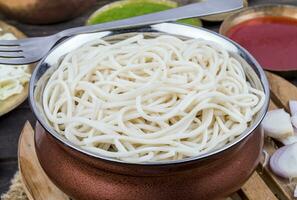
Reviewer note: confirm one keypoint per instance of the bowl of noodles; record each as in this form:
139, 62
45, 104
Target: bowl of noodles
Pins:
166, 111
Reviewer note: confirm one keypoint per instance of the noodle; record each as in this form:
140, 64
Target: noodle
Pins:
147, 100
12, 77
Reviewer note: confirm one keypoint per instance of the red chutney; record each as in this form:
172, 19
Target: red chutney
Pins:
271, 40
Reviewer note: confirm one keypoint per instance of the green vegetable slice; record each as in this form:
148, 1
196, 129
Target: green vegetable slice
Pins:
131, 8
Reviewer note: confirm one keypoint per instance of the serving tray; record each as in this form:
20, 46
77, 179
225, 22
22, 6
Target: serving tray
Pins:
262, 185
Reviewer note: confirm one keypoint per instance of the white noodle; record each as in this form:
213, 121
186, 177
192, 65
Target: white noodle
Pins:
147, 100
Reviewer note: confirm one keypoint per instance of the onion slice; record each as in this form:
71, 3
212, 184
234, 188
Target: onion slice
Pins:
295, 191
293, 107
294, 120
290, 139
266, 158
284, 161
277, 124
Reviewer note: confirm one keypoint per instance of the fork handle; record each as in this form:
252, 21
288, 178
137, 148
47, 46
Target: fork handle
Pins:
203, 8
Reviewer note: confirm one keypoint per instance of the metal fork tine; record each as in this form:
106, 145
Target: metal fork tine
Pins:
12, 61
11, 55
10, 49
16, 61
10, 42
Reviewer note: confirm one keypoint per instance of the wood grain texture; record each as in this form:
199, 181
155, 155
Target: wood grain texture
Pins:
282, 91
272, 105
237, 196
256, 189
281, 187
36, 184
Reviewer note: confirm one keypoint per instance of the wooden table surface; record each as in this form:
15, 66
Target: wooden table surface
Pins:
11, 124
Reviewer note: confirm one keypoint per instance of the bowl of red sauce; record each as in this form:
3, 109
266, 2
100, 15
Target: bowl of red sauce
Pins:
268, 32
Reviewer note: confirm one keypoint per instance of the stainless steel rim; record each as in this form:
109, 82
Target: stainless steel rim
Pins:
167, 28
256, 11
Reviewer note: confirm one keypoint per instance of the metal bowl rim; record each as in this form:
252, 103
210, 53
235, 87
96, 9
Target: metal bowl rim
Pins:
248, 10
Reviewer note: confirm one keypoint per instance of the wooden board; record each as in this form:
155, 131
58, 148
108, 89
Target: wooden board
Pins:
262, 185
15, 100
36, 184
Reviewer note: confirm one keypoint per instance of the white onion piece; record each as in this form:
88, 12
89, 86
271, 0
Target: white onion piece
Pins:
295, 191
293, 107
266, 158
294, 120
284, 161
290, 139
277, 124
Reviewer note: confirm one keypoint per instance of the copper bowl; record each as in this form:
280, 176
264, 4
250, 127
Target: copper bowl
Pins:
84, 175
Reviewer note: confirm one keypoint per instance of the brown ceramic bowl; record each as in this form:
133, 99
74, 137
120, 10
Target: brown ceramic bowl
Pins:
84, 175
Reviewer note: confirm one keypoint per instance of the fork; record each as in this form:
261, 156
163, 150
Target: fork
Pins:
30, 50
